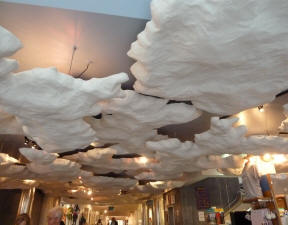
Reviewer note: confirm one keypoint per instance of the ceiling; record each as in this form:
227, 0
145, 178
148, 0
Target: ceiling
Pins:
133, 9
190, 67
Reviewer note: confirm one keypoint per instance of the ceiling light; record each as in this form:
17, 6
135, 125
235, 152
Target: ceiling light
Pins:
29, 182
261, 108
94, 144
279, 158
142, 160
26, 142
225, 155
267, 157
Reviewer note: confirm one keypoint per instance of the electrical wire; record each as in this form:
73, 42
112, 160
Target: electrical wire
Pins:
72, 58
87, 67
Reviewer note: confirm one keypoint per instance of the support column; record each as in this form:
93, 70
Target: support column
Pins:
26, 201
49, 202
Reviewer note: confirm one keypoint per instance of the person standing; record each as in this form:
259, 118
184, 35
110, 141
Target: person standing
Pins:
114, 221
99, 222
55, 216
82, 220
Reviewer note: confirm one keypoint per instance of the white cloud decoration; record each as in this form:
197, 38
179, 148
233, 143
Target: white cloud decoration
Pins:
51, 105
224, 56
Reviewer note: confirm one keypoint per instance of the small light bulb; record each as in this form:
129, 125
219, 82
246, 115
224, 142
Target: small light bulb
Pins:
143, 160
267, 157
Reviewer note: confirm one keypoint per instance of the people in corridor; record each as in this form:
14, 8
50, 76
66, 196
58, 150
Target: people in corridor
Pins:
82, 220
76, 210
99, 222
55, 216
22, 219
114, 221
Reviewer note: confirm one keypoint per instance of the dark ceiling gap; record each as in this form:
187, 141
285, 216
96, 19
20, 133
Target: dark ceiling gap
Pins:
89, 147
175, 102
122, 174
131, 155
150, 95
144, 182
98, 117
282, 93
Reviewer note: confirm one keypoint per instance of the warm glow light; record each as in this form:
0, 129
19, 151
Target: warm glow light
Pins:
155, 184
241, 118
89, 192
29, 182
105, 211
279, 158
263, 166
92, 198
74, 190
253, 160
67, 206
94, 144
225, 155
267, 157
79, 177
142, 160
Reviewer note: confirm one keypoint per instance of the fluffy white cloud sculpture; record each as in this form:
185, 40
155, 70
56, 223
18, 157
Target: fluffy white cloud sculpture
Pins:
102, 162
165, 185
150, 111
59, 168
8, 167
38, 156
9, 44
132, 120
221, 138
284, 125
113, 183
224, 56
9, 124
11, 170
51, 105
173, 166
114, 129
6, 159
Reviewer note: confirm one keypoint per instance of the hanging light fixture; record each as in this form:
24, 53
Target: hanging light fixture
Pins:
261, 108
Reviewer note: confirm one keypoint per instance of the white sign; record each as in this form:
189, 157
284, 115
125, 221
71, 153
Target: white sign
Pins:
201, 216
